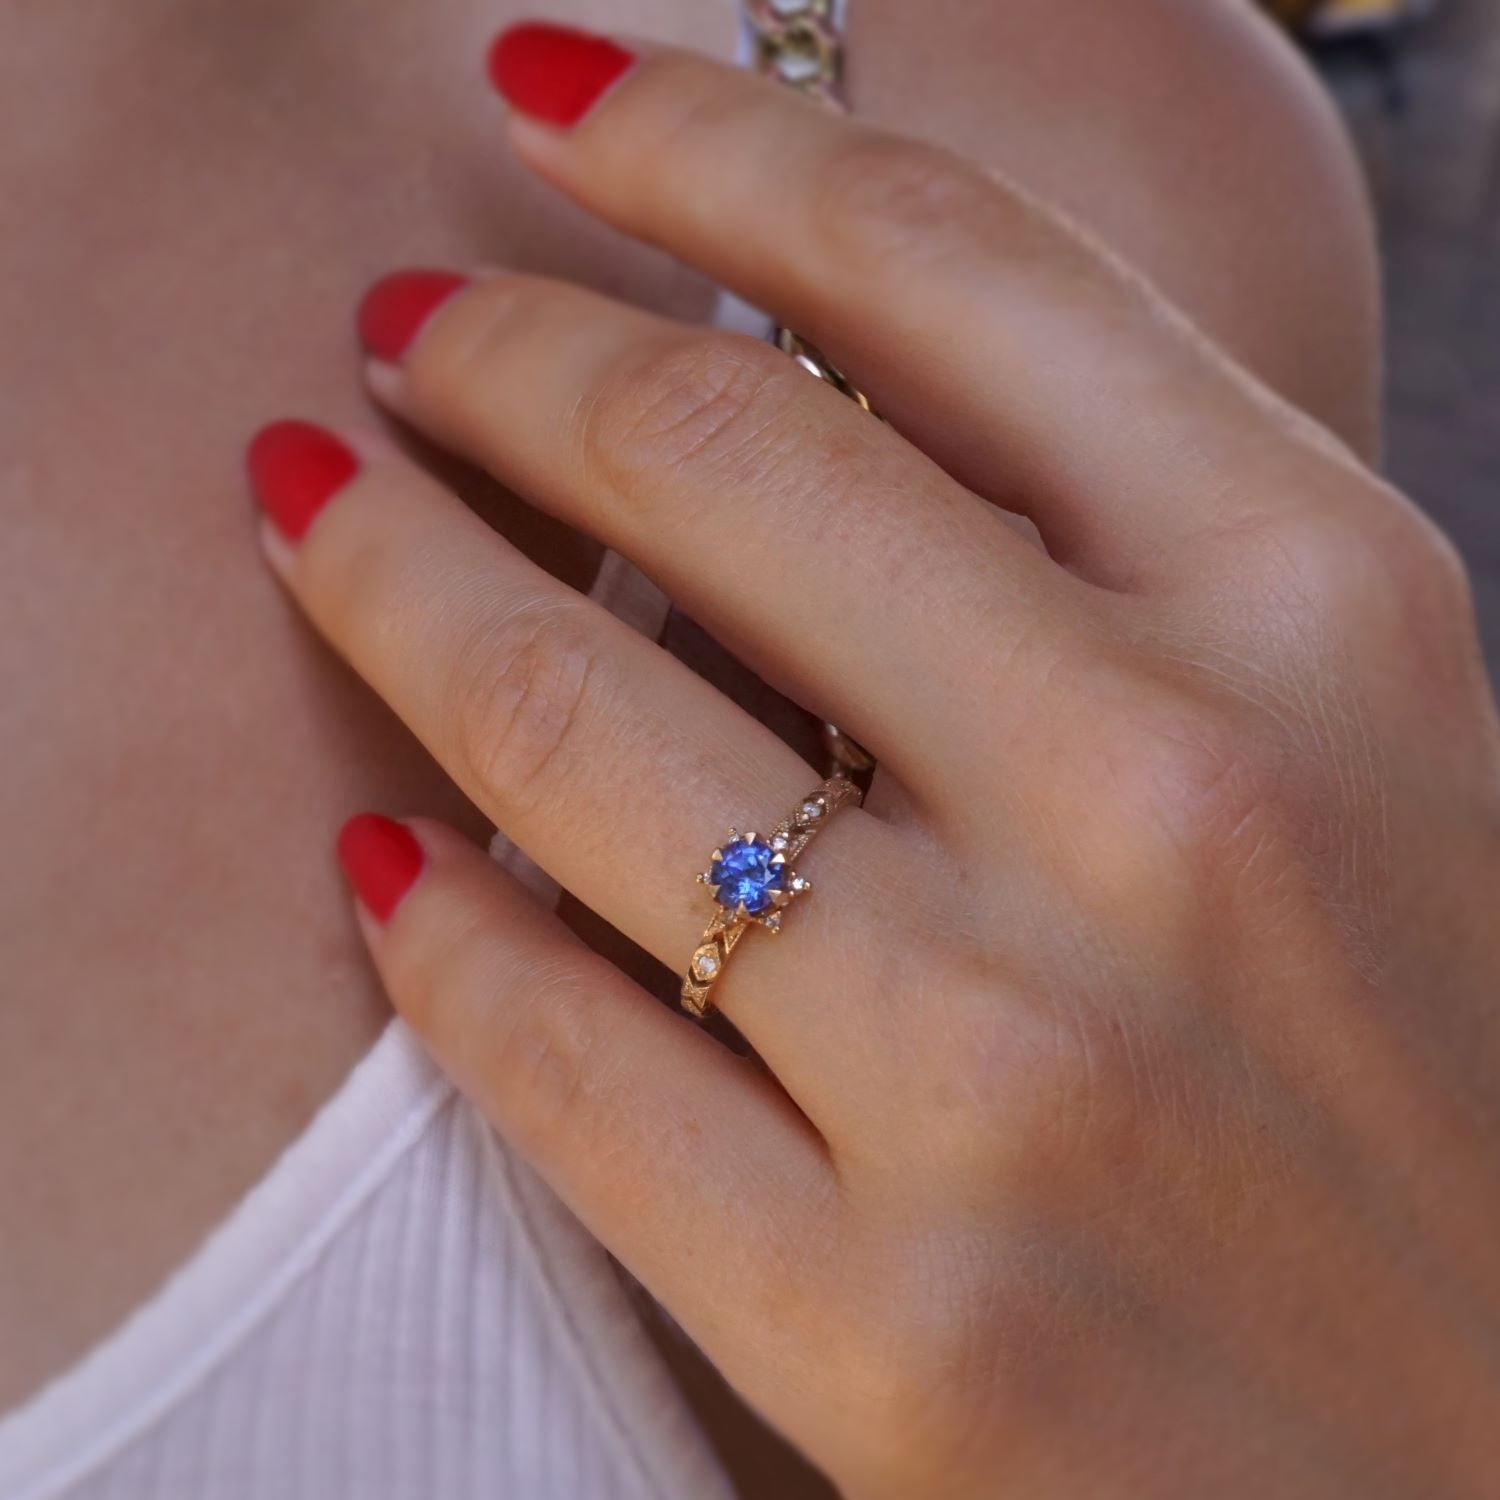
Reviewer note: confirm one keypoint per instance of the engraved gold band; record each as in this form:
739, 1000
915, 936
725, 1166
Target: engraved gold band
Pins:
753, 882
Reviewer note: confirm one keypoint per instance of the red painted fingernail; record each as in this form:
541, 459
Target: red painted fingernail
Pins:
394, 310
554, 73
382, 860
295, 470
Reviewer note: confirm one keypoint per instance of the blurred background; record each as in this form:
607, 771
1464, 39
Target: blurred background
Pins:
1419, 82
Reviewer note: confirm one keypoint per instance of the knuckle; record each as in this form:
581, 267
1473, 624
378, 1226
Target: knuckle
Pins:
880, 198
1352, 565
1388, 590
1429, 571
1243, 799
1187, 791
1369, 565
524, 690
694, 401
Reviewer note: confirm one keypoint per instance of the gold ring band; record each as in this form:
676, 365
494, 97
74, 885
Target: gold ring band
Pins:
753, 881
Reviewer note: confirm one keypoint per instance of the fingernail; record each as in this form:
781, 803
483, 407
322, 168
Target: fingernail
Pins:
382, 859
554, 73
295, 470
392, 313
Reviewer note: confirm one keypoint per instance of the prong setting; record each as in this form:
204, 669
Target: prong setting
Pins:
753, 882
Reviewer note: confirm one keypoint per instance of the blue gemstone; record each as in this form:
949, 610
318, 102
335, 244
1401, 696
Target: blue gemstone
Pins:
743, 875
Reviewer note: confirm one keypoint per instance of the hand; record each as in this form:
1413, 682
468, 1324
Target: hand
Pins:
1130, 1126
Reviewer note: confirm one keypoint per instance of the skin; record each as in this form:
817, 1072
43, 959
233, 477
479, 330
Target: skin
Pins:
162, 1042
1130, 1125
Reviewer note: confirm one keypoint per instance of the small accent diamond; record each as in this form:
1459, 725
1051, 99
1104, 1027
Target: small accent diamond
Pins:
799, 66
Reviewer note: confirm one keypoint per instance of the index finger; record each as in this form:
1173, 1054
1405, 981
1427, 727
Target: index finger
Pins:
1034, 365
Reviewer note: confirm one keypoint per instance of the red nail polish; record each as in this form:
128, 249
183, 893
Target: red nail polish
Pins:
295, 470
393, 311
382, 860
554, 73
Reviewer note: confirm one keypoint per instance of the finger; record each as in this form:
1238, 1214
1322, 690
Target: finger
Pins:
607, 761
1034, 366
770, 507
689, 1164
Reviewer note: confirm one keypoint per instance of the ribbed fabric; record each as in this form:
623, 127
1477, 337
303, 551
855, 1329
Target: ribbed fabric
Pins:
399, 1311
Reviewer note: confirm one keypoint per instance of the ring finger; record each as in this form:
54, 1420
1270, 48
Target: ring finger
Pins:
611, 764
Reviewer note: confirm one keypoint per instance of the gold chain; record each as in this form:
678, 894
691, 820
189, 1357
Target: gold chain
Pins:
797, 42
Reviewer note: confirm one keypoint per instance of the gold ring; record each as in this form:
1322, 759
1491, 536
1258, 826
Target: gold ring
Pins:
752, 880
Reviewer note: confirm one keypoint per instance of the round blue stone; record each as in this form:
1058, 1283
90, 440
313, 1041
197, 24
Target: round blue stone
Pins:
743, 875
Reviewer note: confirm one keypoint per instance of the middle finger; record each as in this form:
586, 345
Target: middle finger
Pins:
825, 550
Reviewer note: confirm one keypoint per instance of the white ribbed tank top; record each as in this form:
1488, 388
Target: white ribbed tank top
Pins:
398, 1311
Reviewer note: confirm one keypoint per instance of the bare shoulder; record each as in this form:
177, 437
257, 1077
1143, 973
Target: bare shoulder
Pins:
1187, 134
